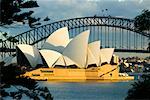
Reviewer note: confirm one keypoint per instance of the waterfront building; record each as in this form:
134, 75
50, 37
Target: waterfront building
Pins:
68, 58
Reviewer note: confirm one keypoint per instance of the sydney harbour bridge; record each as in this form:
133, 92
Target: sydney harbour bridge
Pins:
113, 32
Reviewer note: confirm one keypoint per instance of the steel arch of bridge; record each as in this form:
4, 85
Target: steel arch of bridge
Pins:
34, 36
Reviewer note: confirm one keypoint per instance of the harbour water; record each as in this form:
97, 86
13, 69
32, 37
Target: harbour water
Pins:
88, 90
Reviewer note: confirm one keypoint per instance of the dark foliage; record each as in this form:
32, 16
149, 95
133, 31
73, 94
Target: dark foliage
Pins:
4, 93
142, 21
11, 39
140, 90
11, 12
47, 19
11, 76
9, 73
25, 82
29, 4
148, 48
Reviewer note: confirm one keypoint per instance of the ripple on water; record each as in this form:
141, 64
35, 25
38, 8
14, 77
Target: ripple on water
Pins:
88, 90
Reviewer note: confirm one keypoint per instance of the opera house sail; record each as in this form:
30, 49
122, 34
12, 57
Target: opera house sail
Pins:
58, 40
28, 55
68, 58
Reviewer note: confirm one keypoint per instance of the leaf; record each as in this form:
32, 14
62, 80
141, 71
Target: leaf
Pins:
11, 11
47, 19
5, 34
29, 4
142, 21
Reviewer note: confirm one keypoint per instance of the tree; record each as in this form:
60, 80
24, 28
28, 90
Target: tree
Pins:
142, 21
140, 90
148, 48
8, 38
11, 77
11, 12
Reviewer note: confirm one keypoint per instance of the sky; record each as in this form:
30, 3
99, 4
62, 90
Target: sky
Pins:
58, 10
65, 9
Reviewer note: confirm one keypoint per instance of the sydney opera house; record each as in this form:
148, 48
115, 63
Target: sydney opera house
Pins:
69, 58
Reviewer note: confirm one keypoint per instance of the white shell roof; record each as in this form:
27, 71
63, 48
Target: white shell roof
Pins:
76, 50
58, 40
95, 49
60, 50
90, 58
68, 61
65, 61
106, 54
31, 53
50, 56
60, 61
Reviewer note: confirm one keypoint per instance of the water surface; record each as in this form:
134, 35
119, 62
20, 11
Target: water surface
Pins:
88, 90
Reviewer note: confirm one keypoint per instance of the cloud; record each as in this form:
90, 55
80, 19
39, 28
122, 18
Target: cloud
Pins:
66, 9
121, 0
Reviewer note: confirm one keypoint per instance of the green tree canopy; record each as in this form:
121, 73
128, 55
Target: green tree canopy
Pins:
142, 21
11, 12
140, 89
12, 76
